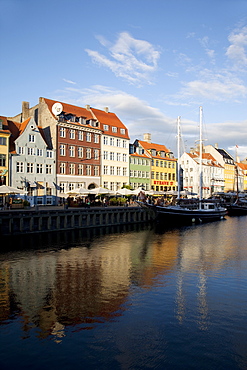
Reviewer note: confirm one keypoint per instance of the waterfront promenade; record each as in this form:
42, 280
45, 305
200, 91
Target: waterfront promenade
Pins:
57, 218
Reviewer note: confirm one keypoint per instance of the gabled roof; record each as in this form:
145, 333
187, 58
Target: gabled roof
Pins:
110, 119
72, 109
5, 129
158, 148
212, 161
224, 154
144, 155
243, 166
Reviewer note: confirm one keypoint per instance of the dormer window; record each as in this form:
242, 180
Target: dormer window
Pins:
81, 120
162, 154
106, 127
122, 131
114, 129
153, 152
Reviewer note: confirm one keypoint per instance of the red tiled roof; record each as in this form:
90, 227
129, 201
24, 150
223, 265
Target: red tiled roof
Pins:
111, 120
5, 128
68, 108
157, 147
140, 155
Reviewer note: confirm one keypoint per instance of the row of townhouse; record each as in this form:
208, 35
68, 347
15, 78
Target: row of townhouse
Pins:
220, 173
55, 148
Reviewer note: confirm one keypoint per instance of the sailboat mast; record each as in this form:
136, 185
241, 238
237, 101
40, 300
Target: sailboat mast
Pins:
178, 162
200, 157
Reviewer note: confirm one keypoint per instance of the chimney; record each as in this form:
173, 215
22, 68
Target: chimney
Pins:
106, 109
216, 146
25, 111
87, 107
147, 138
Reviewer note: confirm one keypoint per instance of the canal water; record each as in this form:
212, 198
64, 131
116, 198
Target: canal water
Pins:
141, 298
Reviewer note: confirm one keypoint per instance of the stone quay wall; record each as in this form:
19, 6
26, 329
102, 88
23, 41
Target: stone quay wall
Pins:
41, 220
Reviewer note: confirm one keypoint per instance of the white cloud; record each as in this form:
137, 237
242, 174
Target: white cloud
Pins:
237, 51
129, 58
69, 81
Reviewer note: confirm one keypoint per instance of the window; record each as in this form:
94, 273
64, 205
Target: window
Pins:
72, 134
3, 161
112, 170
49, 154
147, 175
80, 135
124, 171
105, 140
114, 129
80, 169
88, 170
3, 141
152, 175
96, 171
105, 170
40, 152
124, 144
39, 168
62, 149
118, 157
71, 151
62, 168
105, 185
111, 156
62, 187
31, 151
80, 152
88, 153
29, 167
122, 131
157, 163
96, 154
139, 173
71, 186
31, 138
124, 157
118, 142
21, 150
111, 185
96, 138
71, 168
105, 155
88, 137
106, 127
112, 141
19, 165
118, 171
48, 169
62, 132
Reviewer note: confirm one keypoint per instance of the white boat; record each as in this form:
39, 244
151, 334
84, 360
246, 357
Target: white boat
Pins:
195, 212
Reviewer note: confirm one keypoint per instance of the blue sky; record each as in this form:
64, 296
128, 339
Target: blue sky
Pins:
149, 61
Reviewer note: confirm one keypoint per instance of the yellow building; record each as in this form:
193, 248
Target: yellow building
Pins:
4, 151
163, 165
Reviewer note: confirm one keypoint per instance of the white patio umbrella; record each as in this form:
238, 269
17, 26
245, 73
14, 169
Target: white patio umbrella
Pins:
5, 190
100, 190
124, 191
83, 190
137, 191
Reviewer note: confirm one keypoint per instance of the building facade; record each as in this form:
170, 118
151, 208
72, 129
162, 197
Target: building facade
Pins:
4, 151
114, 150
32, 163
140, 168
212, 174
163, 165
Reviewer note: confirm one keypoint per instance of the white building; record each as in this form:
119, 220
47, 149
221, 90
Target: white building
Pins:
212, 173
114, 150
32, 162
